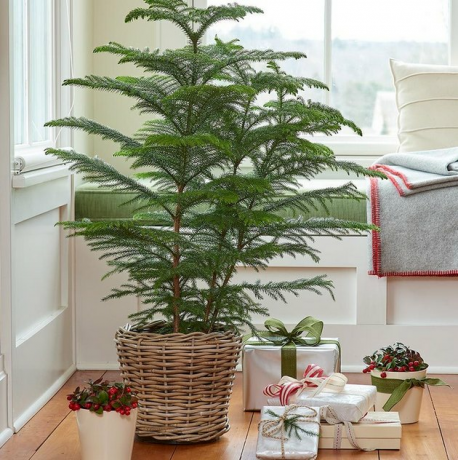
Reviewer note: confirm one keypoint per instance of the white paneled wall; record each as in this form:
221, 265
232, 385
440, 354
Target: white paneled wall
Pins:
367, 313
97, 321
42, 310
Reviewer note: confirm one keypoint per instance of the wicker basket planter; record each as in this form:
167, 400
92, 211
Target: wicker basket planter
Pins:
183, 382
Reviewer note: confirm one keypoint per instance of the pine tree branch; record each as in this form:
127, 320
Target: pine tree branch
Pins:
92, 127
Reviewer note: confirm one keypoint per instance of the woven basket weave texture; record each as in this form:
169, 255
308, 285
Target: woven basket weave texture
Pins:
183, 382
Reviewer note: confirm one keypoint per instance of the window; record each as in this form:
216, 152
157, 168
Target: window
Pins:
42, 58
348, 44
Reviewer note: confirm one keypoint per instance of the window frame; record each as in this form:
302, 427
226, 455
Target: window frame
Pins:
60, 98
367, 149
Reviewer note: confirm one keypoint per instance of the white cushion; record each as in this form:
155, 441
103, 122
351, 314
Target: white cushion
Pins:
427, 100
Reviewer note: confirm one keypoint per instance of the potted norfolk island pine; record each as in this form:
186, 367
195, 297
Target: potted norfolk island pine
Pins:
200, 214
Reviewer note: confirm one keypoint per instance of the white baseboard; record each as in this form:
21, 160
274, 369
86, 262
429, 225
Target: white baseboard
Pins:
43, 399
110, 366
5, 435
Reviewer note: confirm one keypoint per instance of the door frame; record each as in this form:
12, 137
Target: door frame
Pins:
6, 158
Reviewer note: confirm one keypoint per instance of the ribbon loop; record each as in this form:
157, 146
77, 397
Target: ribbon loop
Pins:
313, 378
311, 326
398, 388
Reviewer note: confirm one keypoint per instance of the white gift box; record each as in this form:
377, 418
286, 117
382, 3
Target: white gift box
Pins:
262, 366
377, 430
303, 448
350, 405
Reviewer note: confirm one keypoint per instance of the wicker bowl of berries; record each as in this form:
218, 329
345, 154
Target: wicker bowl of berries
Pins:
106, 414
389, 367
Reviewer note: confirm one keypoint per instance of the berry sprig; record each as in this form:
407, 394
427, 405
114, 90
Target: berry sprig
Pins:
102, 396
394, 358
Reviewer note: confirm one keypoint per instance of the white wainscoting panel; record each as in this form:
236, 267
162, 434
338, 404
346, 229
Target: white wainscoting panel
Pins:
96, 320
37, 262
42, 309
341, 310
44, 362
423, 300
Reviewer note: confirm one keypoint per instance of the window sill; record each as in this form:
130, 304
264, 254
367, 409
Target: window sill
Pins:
40, 176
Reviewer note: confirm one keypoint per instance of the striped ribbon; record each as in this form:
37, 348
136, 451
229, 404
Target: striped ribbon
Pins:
313, 378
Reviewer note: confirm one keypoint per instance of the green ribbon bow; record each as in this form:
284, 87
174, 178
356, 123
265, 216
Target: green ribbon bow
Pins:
277, 334
398, 388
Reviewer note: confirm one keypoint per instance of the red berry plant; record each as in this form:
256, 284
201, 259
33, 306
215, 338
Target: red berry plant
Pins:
102, 396
394, 358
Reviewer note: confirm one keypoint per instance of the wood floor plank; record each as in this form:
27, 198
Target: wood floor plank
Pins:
445, 402
422, 440
63, 442
230, 446
249, 451
22, 445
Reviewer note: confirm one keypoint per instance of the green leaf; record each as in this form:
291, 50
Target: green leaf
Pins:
103, 397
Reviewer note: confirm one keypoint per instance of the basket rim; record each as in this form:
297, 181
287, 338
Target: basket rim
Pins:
124, 329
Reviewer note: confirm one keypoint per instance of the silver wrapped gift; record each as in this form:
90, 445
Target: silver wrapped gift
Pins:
350, 404
275, 442
262, 366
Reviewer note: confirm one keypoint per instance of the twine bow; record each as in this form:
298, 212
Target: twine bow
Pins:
328, 414
398, 388
287, 422
313, 378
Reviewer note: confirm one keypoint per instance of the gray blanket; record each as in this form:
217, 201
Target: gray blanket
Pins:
417, 212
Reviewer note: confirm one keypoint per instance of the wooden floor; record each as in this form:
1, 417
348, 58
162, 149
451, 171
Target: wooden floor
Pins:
52, 433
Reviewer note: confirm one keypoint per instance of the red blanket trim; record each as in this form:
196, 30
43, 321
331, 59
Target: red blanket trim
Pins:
389, 172
399, 174
415, 273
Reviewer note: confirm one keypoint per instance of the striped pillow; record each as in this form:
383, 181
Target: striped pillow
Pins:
427, 100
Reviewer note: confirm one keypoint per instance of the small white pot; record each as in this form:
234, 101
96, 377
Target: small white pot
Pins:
410, 405
108, 436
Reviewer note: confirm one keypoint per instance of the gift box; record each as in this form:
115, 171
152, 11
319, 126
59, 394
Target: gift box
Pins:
377, 430
276, 442
277, 352
262, 365
350, 404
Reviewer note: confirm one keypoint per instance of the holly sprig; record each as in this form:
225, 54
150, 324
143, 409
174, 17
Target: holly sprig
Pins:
103, 396
291, 425
395, 358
